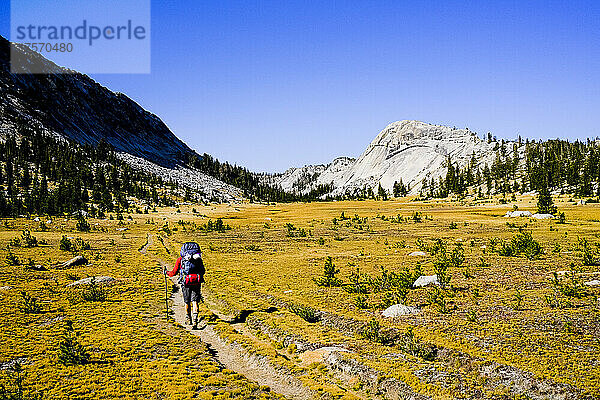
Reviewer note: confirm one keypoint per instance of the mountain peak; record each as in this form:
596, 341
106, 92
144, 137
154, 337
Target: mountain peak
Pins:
406, 150
74, 106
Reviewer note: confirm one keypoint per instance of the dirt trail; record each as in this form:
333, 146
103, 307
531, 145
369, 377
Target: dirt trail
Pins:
232, 355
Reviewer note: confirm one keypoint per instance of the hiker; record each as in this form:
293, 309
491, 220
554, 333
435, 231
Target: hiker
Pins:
191, 276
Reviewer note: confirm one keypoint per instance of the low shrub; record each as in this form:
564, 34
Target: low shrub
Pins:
11, 259
437, 299
82, 224
70, 351
13, 387
30, 304
25, 240
362, 301
329, 278
521, 244
308, 314
410, 345
94, 292
373, 332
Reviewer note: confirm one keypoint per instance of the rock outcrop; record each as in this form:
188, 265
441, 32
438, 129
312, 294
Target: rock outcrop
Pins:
411, 151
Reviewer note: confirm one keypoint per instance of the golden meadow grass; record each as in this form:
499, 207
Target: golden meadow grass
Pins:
136, 354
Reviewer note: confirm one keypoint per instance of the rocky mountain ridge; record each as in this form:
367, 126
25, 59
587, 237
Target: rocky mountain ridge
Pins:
407, 150
70, 105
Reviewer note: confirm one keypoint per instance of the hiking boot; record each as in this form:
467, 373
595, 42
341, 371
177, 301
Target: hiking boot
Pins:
188, 319
195, 321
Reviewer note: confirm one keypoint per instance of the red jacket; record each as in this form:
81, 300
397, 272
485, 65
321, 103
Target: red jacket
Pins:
176, 269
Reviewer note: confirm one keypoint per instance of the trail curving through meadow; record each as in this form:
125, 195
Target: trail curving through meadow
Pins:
232, 355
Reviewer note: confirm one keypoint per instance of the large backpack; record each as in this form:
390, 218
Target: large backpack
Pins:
192, 267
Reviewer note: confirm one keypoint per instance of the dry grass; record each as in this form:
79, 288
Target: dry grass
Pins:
140, 356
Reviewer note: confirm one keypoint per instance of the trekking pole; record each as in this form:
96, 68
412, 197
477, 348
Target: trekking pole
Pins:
166, 292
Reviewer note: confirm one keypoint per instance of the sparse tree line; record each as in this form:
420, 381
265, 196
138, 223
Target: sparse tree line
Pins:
521, 167
517, 167
44, 175
40, 174
254, 189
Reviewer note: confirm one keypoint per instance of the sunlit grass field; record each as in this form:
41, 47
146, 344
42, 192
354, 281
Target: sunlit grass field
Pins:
495, 312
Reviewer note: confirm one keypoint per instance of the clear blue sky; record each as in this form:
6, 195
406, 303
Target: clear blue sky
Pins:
274, 84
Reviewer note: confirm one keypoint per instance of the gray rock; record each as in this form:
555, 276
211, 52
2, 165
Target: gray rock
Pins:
73, 262
542, 216
398, 310
517, 213
413, 150
36, 268
99, 279
425, 280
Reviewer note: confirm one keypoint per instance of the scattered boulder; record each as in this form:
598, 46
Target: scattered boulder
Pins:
417, 253
11, 363
595, 282
319, 355
542, 216
73, 262
121, 229
5, 288
36, 219
425, 280
36, 268
517, 213
398, 310
99, 279
581, 202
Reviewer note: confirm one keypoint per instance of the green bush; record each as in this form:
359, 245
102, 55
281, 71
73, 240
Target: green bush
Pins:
372, 331
521, 244
437, 299
216, 226
410, 345
397, 296
570, 287
417, 217
43, 227
25, 240
82, 224
588, 257
308, 314
11, 259
358, 283
94, 292
30, 304
70, 351
518, 298
362, 301
329, 278
443, 260
65, 244
75, 245
14, 388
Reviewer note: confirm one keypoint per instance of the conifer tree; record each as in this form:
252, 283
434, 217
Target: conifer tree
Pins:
545, 203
